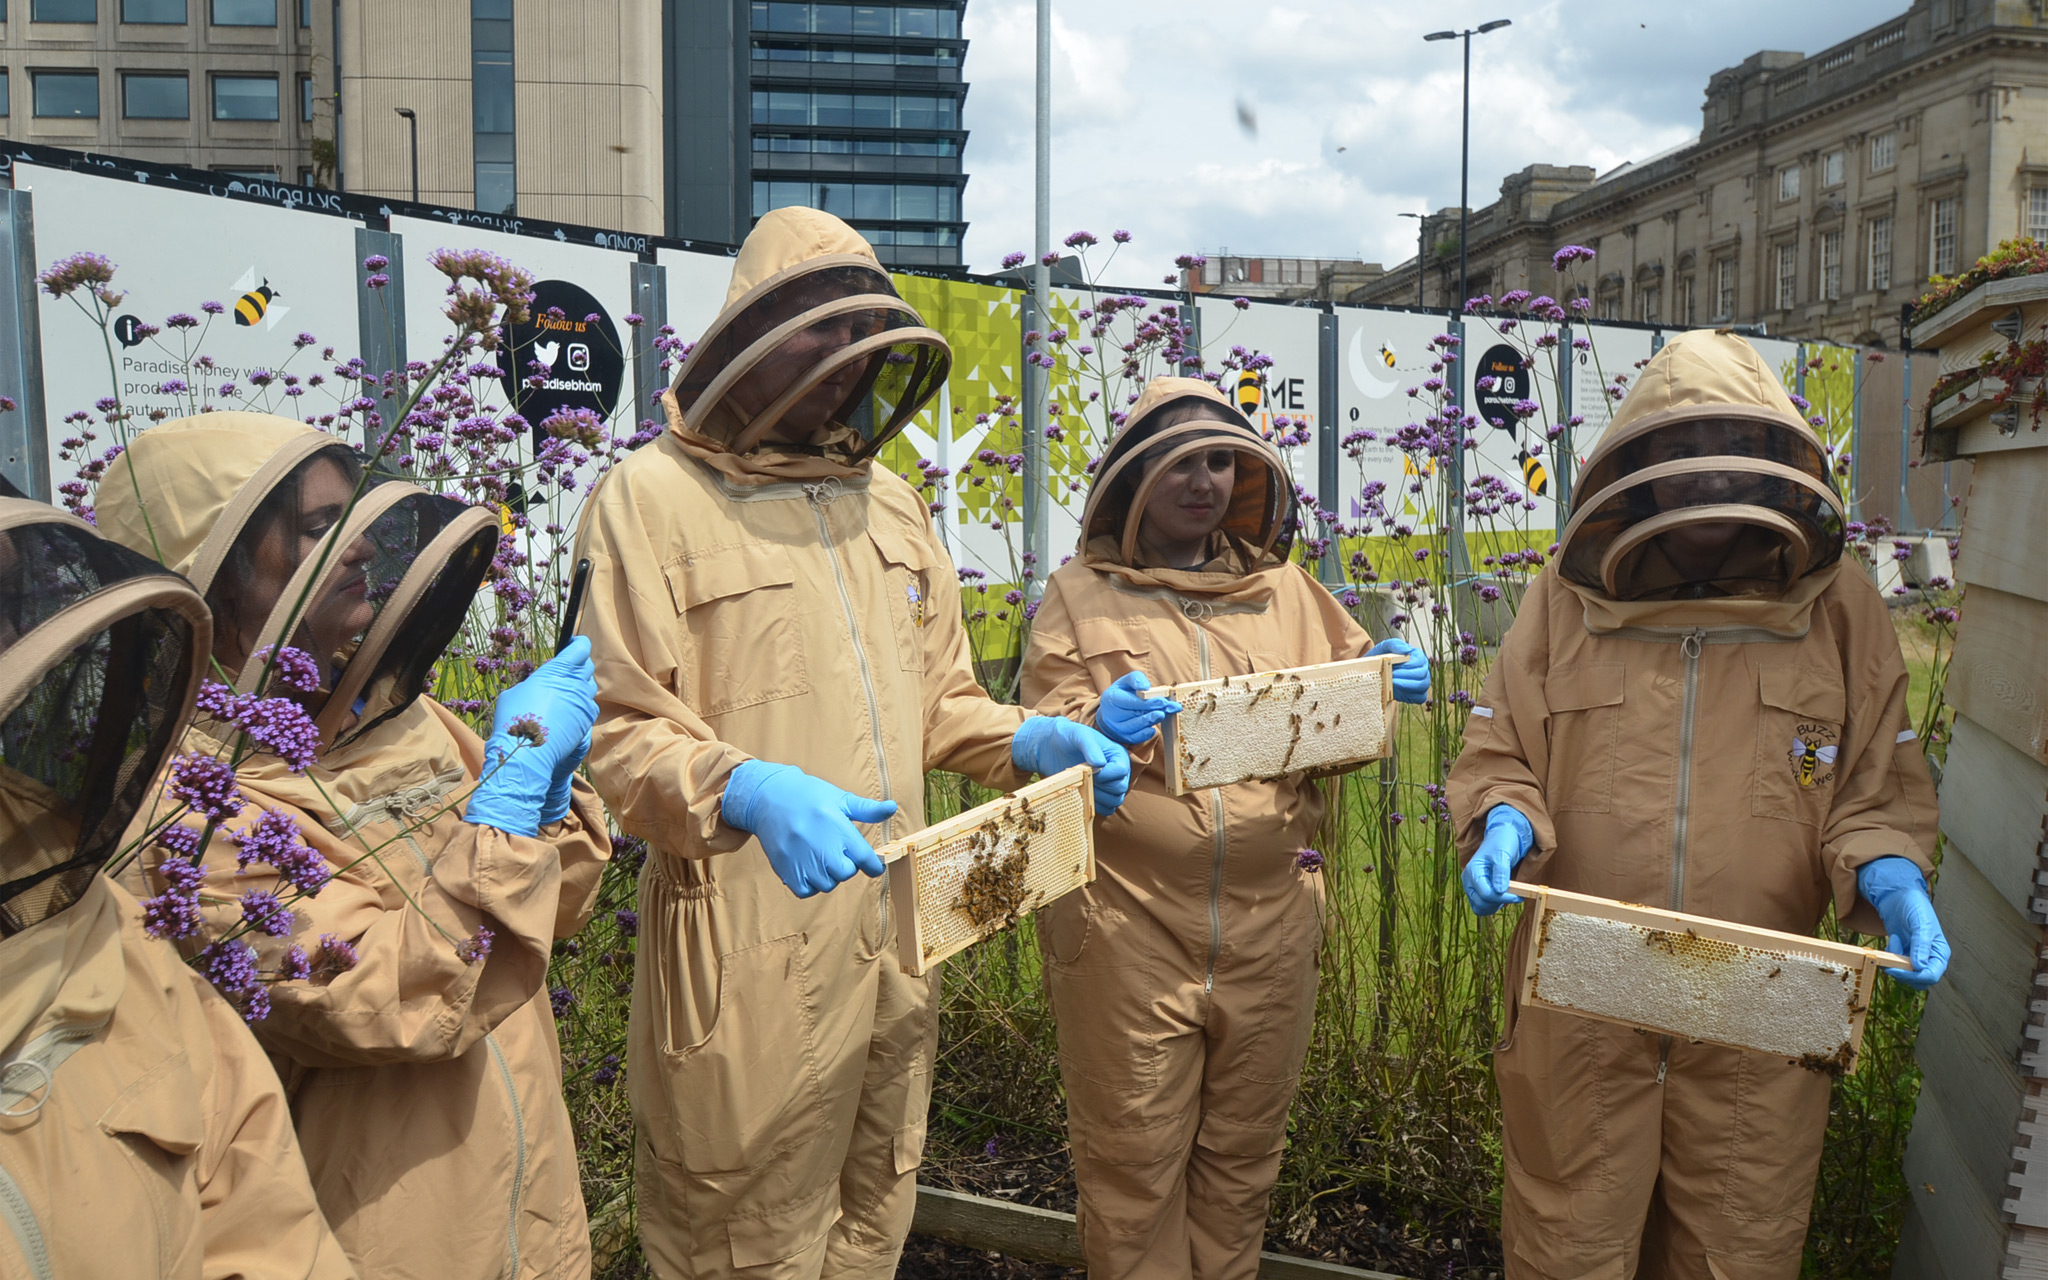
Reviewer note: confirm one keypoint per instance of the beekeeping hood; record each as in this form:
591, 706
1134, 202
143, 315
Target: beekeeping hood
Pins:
401, 568
810, 314
1175, 419
1707, 442
101, 653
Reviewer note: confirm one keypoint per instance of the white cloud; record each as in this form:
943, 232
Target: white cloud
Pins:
1146, 134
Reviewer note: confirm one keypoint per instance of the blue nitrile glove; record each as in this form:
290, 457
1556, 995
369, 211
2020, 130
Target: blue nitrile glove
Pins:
1899, 892
556, 807
1411, 678
519, 775
1127, 717
1047, 744
805, 824
1507, 841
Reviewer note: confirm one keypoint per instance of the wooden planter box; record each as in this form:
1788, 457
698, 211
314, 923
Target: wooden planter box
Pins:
1983, 323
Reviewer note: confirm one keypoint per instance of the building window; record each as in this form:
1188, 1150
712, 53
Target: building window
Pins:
66, 95
1884, 152
245, 98
1649, 298
492, 110
6, 95
64, 11
244, 13
1831, 168
306, 19
1788, 276
1788, 182
1724, 289
259, 175
2037, 214
847, 55
155, 96
1688, 308
155, 13
856, 110
1830, 265
1878, 268
877, 201
306, 99
1941, 243
861, 20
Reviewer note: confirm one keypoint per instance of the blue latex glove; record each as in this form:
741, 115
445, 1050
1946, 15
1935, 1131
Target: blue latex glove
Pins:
520, 776
1047, 744
1507, 841
805, 824
1127, 717
1411, 678
1899, 892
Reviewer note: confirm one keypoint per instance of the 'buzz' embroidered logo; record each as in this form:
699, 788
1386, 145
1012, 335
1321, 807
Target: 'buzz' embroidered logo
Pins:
1810, 758
916, 605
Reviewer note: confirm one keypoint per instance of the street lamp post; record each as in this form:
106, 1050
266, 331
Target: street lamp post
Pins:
1454, 466
1421, 237
412, 123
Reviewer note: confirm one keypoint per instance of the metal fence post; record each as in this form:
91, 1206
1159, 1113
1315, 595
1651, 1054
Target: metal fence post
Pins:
1328, 428
24, 434
1037, 385
1562, 457
1454, 466
380, 322
1905, 515
1856, 433
650, 303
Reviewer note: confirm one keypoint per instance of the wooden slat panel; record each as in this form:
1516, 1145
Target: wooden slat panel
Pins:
1995, 952
2003, 537
1999, 676
1918, 1257
1979, 1088
1951, 1219
1994, 802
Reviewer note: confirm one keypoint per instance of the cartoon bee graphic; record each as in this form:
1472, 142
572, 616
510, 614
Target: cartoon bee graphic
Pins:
1387, 355
1248, 392
250, 308
916, 605
1534, 474
1809, 756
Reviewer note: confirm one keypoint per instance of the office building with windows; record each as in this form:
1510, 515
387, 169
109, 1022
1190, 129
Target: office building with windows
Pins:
1821, 194
854, 109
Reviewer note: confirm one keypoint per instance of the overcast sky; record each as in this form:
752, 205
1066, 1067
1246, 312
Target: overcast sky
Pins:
1357, 118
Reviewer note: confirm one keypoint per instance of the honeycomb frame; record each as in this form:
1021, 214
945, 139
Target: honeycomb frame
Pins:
1700, 979
1270, 724
934, 872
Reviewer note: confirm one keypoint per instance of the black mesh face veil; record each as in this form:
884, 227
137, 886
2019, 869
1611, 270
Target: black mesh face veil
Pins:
101, 653
824, 356
1699, 502
1260, 519
382, 597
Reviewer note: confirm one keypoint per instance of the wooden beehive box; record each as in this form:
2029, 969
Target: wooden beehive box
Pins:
1976, 1165
1803, 999
1267, 725
976, 874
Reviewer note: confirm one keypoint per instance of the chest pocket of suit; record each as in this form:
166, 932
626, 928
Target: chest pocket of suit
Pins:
1110, 652
906, 593
1798, 742
1585, 701
739, 635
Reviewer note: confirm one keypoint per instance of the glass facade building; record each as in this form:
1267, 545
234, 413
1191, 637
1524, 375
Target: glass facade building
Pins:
850, 108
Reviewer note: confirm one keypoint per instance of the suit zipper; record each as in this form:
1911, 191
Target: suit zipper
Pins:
819, 495
1217, 843
28, 1233
1681, 816
518, 1151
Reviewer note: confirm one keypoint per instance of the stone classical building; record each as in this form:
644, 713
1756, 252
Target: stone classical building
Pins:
1820, 195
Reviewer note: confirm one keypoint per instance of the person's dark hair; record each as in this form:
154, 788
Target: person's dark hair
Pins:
278, 510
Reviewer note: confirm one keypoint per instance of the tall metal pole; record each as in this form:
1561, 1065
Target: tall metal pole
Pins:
1037, 380
1464, 193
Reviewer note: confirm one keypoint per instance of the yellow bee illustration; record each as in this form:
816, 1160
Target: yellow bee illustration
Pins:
1248, 392
1534, 473
1386, 355
916, 605
1807, 756
253, 304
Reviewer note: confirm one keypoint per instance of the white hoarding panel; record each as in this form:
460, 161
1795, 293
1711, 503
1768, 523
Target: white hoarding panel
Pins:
696, 284
1290, 338
1382, 355
274, 274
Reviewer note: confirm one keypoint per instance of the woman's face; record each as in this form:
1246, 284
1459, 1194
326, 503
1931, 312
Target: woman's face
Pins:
1188, 504
797, 358
343, 610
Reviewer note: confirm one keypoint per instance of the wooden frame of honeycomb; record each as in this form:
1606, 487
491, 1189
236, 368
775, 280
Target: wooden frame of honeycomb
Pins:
971, 876
1238, 728
1701, 979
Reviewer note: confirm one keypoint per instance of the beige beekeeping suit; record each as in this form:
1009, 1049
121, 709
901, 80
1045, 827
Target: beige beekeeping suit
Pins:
1184, 978
425, 1081
1732, 742
791, 603
143, 1135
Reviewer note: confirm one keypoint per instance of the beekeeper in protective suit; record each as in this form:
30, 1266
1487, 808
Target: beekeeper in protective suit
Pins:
426, 1079
780, 658
1184, 978
142, 1134
1700, 706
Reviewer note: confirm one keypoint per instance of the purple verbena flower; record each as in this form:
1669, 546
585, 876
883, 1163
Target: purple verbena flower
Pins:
1309, 860
231, 967
262, 912
476, 947
334, 958
207, 784
276, 841
628, 921
294, 967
